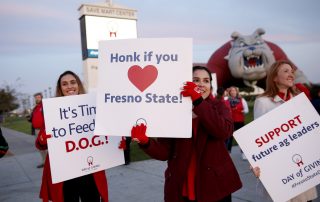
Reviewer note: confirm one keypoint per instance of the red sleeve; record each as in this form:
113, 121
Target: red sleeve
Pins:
158, 148
40, 144
215, 117
38, 122
37, 117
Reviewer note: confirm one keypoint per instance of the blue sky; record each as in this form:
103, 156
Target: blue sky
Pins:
41, 38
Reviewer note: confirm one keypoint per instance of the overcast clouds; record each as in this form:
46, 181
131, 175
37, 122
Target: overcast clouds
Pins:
41, 38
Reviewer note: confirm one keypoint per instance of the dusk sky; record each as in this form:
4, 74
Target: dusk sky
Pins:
40, 39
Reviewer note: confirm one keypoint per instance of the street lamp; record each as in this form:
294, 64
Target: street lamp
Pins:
50, 92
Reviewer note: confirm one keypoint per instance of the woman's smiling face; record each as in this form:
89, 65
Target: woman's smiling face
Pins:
202, 79
69, 85
285, 77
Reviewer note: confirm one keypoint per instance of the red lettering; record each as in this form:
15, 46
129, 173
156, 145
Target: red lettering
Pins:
267, 138
86, 143
259, 142
285, 127
292, 123
297, 117
271, 134
70, 146
94, 143
277, 131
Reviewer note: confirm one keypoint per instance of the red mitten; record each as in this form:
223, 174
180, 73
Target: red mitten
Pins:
138, 134
122, 144
43, 137
191, 89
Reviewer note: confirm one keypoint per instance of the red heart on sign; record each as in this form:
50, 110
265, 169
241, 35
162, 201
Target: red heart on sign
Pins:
142, 78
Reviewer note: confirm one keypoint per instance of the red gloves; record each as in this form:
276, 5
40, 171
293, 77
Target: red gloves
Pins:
122, 144
43, 137
191, 89
138, 134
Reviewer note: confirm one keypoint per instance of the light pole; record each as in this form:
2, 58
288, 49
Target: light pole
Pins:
49, 92
45, 93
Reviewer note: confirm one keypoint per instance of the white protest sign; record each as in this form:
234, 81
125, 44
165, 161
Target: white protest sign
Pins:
73, 149
140, 80
284, 143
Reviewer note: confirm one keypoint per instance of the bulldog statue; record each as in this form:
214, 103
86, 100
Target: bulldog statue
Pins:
245, 60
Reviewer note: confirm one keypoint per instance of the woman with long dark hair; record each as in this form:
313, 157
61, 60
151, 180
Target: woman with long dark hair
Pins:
88, 188
199, 168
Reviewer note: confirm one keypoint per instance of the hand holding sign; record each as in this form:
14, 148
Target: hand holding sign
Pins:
138, 134
256, 171
191, 89
43, 137
122, 144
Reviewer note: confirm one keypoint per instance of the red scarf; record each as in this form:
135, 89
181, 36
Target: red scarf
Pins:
282, 96
190, 181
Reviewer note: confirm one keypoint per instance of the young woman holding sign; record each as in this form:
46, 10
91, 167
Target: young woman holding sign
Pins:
199, 168
280, 88
88, 188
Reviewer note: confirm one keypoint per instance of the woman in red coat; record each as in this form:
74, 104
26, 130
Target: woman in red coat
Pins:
239, 108
88, 188
199, 168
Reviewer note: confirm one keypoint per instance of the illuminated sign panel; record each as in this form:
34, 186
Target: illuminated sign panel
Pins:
104, 28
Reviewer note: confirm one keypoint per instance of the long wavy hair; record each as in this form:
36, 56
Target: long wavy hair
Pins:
271, 87
58, 87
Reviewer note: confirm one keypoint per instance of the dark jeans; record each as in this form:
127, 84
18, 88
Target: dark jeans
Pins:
83, 188
127, 156
229, 141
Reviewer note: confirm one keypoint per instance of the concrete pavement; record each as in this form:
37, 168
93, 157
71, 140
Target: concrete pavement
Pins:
140, 181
